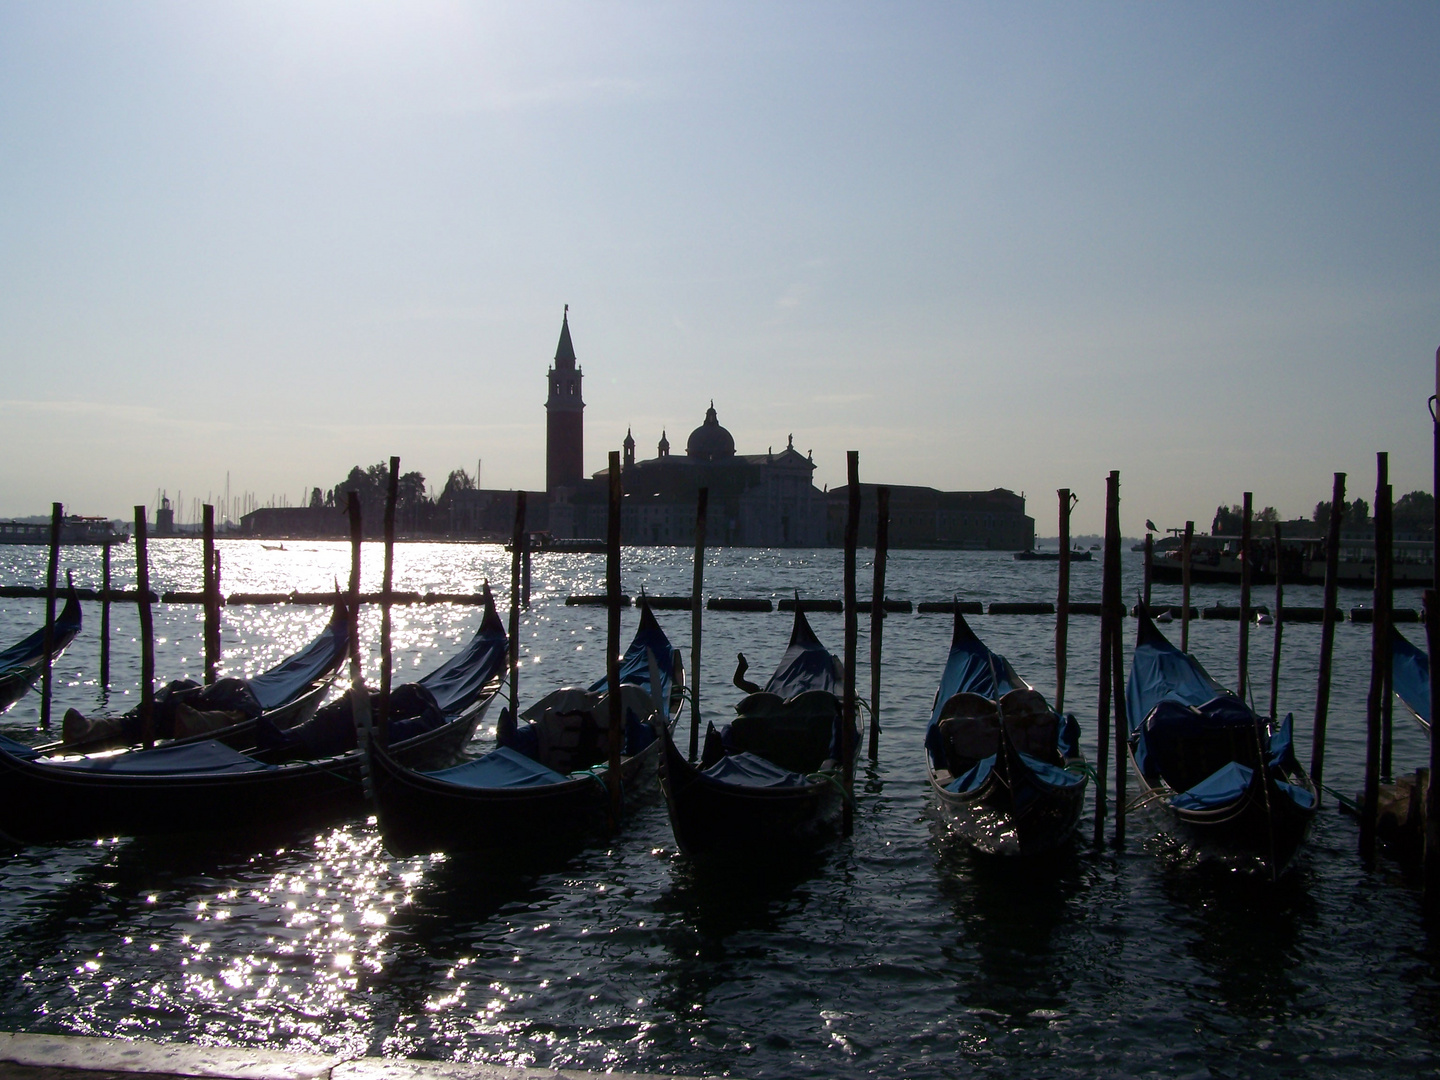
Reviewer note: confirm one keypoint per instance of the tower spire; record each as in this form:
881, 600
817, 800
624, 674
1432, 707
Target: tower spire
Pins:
565, 351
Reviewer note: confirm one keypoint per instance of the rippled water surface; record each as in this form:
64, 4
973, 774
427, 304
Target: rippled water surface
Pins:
892, 953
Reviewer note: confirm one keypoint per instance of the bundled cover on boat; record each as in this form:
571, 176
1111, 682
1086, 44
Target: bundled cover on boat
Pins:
415, 708
750, 770
971, 668
30, 650
286, 680
1411, 669
806, 665
500, 768
204, 757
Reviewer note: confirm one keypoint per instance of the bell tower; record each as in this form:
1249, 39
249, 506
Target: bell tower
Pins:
564, 416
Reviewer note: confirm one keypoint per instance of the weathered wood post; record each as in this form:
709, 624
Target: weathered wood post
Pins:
387, 580
525, 575
697, 608
1385, 573
211, 632
1243, 681
1115, 601
1327, 633
517, 538
877, 612
1107, 646
1062, 600
147, 632
1149, 565
1279, 628
1370, 801
105, 619
359, 696
612, 634
852, 633
52, 572
1185, 552
1431, 871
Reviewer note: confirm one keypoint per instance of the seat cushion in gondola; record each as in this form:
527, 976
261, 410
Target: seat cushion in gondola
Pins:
797, 735
1185, 745
1033, 727
969, 730
569, 740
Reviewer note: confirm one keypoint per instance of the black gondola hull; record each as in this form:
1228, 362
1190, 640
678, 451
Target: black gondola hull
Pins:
1033, 818
710, 817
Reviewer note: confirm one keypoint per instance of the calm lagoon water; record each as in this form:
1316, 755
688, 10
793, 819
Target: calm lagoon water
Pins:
893, 953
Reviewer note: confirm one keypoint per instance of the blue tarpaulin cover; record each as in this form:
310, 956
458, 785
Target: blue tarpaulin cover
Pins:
456, 683
31, 649
1220, 788
17, 749
806, 665
750, 770
1412, 675
635, 664
1050, 774
1161, 672
972, 669
202, 757
284, 682
501, 768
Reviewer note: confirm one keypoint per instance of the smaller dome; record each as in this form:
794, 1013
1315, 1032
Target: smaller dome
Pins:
710, 441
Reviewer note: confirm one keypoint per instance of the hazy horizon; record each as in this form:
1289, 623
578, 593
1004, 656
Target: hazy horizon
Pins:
984, 245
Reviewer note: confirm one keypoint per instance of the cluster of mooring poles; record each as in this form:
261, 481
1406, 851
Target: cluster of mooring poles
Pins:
1112, 612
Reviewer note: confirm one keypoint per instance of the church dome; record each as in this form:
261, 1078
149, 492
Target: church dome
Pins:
710, 441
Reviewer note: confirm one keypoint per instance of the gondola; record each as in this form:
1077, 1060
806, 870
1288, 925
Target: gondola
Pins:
543, 787
1197, 750
208, 786
1411, 676
23, 662
769, 782
1006, 767
228, 710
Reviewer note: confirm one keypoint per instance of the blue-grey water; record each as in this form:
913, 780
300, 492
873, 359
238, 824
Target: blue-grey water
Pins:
893, 953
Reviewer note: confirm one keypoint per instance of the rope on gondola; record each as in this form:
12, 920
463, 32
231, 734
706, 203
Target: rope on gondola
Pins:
819, 777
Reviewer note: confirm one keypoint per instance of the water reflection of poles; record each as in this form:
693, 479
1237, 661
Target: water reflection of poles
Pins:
52, 571
1062, 599
697, 608
877, 612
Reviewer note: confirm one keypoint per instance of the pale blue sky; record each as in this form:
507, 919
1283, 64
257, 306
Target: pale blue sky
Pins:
985, 245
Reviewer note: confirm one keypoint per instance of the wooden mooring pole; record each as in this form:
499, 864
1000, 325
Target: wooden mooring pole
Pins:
1431, 870
1242, 681
1385, 574
1062, 600
612, 634
105, 620
52, 572
525, 575
1149, 566
1279, 629
517, 539
1115, 602
1185, 549
210, 635
1107, 645
1370, 800
147, 632
387, 581
359, 696
852, 633
877, 612
1327, 633
697, 609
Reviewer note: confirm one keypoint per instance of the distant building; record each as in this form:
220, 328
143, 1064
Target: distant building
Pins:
924, 517
755, 500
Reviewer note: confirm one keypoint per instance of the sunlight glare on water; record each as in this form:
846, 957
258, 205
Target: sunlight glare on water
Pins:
897, 952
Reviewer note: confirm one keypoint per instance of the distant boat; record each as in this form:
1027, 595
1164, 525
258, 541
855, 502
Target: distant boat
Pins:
74, 530
1076, 555
273, 547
